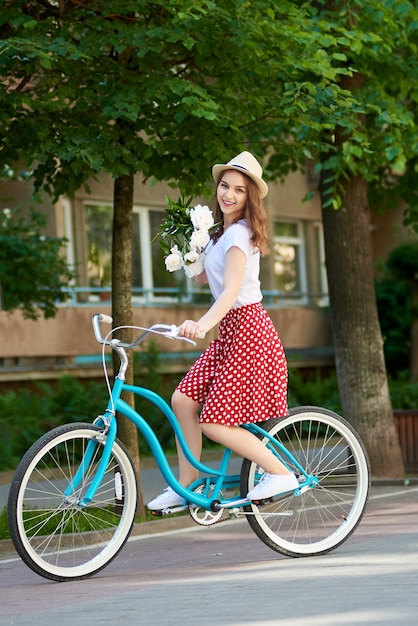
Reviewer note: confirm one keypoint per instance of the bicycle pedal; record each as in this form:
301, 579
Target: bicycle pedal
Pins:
169, 510
261, 502
278, 498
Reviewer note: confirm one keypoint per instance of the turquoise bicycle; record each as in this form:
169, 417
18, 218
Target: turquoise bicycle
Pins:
73, 499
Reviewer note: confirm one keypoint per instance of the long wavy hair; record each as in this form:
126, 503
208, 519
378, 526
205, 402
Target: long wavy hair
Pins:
254, 214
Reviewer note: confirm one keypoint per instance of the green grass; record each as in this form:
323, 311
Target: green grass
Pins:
4, 527
99, 514
86, 520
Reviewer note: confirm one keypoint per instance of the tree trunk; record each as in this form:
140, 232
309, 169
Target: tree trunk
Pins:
358, 341
122, 304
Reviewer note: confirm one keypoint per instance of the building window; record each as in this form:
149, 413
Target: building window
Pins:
150, 280
289, 261
98, 220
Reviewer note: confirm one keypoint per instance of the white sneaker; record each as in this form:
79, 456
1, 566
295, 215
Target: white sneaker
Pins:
165, 500
271, 485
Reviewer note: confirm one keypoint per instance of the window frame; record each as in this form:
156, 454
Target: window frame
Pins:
300, 297
323, 300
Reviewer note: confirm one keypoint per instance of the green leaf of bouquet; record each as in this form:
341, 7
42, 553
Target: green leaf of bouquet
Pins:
165, 248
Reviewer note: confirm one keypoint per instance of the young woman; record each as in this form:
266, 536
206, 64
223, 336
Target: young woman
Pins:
242, 376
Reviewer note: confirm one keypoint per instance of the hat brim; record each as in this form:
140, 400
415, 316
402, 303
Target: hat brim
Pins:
220, 167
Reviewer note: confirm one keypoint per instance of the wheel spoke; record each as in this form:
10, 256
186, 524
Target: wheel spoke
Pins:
56, 536
327, 510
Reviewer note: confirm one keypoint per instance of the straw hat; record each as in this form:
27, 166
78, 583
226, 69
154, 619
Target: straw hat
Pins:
247, 164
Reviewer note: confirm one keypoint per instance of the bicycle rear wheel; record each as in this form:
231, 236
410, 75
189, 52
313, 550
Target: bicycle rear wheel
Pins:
322, 517
53, 535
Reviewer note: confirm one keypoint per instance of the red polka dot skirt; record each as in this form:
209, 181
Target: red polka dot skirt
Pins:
242, 376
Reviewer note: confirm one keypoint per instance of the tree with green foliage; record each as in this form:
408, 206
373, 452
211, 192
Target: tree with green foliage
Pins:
376, 151
33, 270
360, 127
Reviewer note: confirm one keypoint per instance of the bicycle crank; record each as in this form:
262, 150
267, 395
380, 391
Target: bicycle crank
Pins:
202, 516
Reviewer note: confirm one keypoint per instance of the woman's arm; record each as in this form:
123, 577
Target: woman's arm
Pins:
235, 262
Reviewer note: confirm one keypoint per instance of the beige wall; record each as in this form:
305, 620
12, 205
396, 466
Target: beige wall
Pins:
286, 199
18, 194
283, 199
70, 333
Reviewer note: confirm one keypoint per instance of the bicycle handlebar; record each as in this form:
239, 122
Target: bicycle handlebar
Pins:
166, 330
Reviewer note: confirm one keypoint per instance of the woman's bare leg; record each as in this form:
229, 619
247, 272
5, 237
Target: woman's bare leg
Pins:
186, 411
245, 444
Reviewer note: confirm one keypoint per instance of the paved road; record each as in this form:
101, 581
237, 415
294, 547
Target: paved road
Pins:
225, 575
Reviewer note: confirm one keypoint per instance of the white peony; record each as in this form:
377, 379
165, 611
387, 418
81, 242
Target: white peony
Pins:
196, 268
199, 239
174, 261
191, 257
201, 217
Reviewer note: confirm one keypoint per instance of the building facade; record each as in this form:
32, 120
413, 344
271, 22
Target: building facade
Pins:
293, 278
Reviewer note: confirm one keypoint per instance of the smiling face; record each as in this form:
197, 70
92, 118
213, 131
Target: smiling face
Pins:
232, 193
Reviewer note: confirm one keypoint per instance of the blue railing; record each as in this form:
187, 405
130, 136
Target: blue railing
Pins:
171, 296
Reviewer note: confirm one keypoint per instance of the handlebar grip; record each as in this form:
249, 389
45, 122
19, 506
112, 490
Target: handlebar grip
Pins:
201, 335
106, 319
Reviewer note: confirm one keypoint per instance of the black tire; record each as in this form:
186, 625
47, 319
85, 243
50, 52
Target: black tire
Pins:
323, 517
54, 536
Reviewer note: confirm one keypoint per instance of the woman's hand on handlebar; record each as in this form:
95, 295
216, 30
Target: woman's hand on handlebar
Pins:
191, 330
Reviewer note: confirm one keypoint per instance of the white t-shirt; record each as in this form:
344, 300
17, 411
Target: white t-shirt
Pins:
237, 235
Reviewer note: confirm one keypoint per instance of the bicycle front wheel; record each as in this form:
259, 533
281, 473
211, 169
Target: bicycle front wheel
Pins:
55, 536
321, 517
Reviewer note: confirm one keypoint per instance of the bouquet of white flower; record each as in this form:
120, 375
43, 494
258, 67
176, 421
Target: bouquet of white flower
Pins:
187, 230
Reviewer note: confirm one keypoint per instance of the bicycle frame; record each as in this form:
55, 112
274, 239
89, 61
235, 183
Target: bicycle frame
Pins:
72, 534
215, 479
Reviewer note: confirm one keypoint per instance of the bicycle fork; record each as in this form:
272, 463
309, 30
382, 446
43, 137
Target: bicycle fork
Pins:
105, 439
